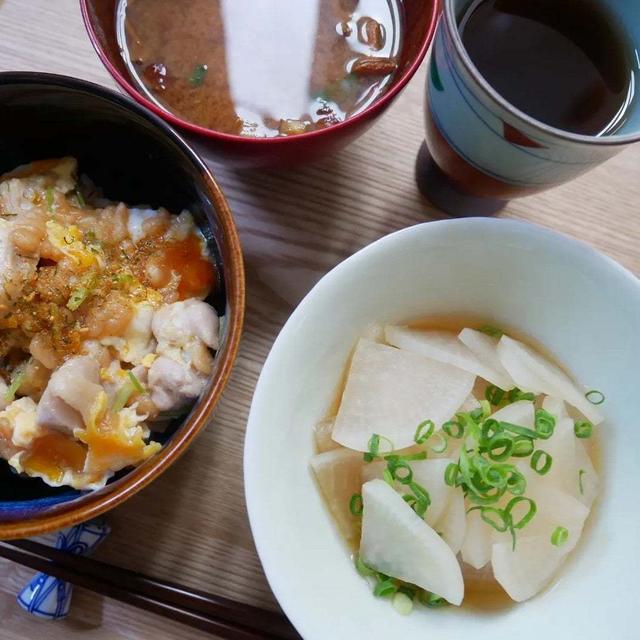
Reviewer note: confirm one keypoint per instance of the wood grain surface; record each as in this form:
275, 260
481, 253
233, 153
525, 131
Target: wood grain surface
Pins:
191, 524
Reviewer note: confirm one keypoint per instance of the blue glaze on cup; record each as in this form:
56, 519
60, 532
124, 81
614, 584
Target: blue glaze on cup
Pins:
501, 142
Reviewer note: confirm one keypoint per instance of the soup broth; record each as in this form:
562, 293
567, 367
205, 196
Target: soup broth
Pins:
266, 69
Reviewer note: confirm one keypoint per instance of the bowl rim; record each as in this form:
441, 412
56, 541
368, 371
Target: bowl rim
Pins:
90, 505
263, 537
371, 111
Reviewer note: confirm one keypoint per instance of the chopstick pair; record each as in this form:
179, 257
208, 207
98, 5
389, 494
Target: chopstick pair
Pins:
213, 614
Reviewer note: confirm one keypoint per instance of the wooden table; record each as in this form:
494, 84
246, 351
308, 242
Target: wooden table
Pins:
191, 525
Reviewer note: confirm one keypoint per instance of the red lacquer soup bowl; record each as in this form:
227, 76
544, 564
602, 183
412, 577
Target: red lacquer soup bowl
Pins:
419, 25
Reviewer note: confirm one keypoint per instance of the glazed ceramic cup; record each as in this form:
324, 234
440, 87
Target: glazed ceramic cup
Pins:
481, 150
134, 157
580, 305
243, 151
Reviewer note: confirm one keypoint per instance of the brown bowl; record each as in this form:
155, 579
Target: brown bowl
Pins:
137, 158
242, 151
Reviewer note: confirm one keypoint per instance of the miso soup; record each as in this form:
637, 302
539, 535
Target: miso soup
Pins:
261, 69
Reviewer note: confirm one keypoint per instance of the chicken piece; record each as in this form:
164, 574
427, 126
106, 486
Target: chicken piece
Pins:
73, 398
174, 383
176, 325
15, 270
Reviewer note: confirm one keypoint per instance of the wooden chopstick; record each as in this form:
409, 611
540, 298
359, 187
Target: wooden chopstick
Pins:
228, 619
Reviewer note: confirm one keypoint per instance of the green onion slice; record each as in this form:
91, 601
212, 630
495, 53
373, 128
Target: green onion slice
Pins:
424, 431
594, 396
402, 603
546, 462
500, 447
522, 447
122, 397
356, 504
580, 474
545, 424
527, 517
517, 483
518, 430
385, 588
80, 198
497, 518
559, 537
16, 381
364, 570
516, 394
401, 471
388, 478
492, 331
441, 446
432, 600
495, 395
198, 75
137, 385
451, 474
453, 428
582, 428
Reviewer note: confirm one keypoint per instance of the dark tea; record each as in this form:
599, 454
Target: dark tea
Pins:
566, 63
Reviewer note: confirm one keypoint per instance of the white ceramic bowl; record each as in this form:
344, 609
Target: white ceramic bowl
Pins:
581, 305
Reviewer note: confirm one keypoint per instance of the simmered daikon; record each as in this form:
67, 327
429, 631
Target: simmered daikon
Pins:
432, 480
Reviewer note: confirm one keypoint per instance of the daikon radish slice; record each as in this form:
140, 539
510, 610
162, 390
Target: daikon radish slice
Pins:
485, 349
390, 391
444, 346
398, 543
339, 474
531, 372
453, 523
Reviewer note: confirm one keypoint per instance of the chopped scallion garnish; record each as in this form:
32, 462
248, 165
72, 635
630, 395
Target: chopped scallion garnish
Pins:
364, 570
545, 424
442, 445
495, 395
580, 474
492, 331
453, 428
122, 397
402, 603
527, 517
16, 381
559, 537
137, 385
594, 396
515, 395
385, 588
356, 505
546, 459
198, 75
80, 198
582, 429
424, 431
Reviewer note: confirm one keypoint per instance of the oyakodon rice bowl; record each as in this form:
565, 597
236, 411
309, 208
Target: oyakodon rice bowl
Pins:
581, 307
104, 330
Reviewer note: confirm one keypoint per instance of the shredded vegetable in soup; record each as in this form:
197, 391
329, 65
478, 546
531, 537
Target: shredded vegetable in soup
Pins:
455, 458
103, 325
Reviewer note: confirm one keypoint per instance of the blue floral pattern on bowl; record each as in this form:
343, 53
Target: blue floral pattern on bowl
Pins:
48, 597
